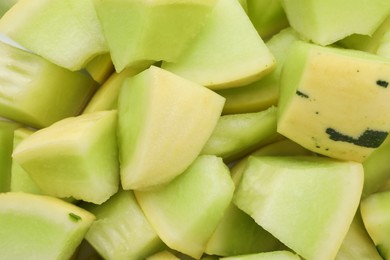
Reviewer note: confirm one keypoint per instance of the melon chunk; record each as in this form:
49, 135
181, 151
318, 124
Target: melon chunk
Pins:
50, 28
335, 101
308, 203
121, 230
75, 157
228, 52
26, 78
186, 211
139, 32
164, 122
326, 22
40, 227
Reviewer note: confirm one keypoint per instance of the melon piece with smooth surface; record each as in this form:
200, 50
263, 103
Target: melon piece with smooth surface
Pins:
75, 157
164, 122
186, 211
306, 202
40, 227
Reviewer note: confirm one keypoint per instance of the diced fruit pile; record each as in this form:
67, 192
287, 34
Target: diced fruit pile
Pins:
194, 129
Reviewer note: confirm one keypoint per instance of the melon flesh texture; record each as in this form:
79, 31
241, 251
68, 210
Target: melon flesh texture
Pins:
186, 211
100, 68
26, 78
239, 134
334, 101
273, 255
308, 203
326, 22
228, 52
154, 104
75, 157
121, 230
5, 5
139, 32
7, 129
375, 212
40, 227
50, 28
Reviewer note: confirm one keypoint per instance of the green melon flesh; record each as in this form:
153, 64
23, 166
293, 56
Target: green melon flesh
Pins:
308, 203
334, 101
121, 230
75, 157
5, 5
100, 68
239, 134
40, 227
375, 210
326, 22
65, 32
154, 104
262, 93
163, 255
228, 52
26, 78
186, 211
7, 129
139, 32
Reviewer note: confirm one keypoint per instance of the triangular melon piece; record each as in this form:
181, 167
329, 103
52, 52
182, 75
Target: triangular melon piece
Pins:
164, 122
65, 32
75, 157
40, 227
141, 32
186, 211
308, 203
228, 52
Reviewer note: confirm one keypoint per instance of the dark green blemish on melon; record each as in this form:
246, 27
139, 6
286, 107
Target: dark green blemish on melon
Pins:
369, 138
382, 83
74, 217
301, 94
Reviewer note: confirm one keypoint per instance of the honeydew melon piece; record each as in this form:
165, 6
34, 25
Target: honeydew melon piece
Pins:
51, 27
20, 180
237, 233
106, 97
334, 101
26, 78
273, 255
75, 157
40, 227
357, 244
286, 195
7, 129
268, 17
375, 210
327, 22
100, 68
146, 31
228, 52
186, 211
5, 5
244, 4
121, 230
158, 103
262, 93
239, 134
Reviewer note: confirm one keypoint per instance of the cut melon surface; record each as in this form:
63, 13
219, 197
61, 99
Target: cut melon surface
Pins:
273, 255
164, 122
40, 227
186, 211
50, 28
75, 157
307, 202
227, 52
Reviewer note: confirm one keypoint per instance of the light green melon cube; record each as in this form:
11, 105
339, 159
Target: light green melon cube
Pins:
307, 202
65, 32
75, 157
40, 227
